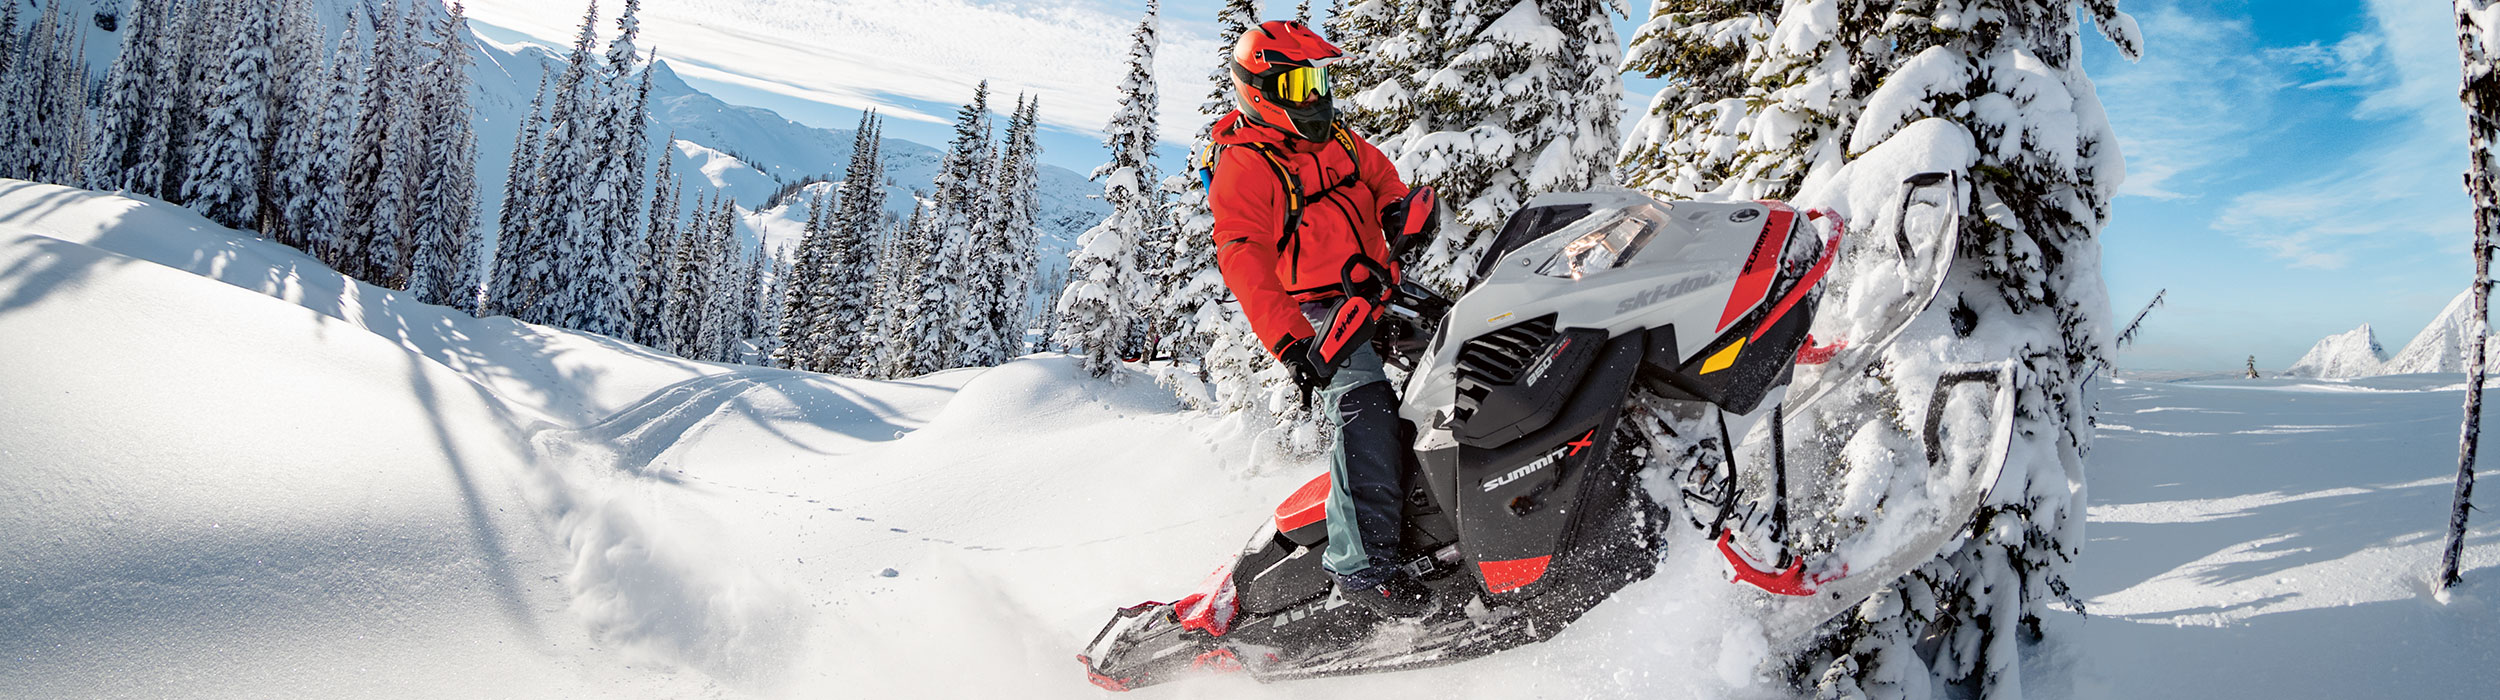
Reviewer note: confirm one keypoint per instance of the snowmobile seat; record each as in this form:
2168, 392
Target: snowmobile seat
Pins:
1303, 517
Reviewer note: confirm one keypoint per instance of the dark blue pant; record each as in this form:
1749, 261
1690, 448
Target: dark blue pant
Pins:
1366, 494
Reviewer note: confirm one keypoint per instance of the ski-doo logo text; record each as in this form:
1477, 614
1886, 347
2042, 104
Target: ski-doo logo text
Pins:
1664, 292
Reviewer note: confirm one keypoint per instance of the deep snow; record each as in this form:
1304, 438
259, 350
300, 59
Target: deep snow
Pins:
233, 473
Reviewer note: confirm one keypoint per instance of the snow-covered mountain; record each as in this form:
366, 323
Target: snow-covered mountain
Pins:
2441, 346
2354, 353
233, 473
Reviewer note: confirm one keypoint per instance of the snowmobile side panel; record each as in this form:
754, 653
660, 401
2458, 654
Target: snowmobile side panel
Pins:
1279, 575
1536, 393
1522, 500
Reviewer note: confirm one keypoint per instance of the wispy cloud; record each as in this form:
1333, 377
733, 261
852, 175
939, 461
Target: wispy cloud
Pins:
2179, 122
849, 52
2397, 185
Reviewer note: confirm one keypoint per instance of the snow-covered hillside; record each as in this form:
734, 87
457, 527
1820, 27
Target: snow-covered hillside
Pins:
234, 473
2354, 353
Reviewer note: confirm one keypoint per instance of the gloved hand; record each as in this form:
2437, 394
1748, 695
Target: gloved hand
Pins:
1301, 363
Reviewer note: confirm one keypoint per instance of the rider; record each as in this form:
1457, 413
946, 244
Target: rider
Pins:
1296, 197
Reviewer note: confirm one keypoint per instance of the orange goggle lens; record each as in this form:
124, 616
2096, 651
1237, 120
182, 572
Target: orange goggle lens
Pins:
1301, 85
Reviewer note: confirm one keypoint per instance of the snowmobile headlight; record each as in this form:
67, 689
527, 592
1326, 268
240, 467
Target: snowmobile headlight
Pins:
1609, 246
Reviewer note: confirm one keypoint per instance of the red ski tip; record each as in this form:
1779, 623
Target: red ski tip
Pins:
1813, 354
1791, 581
1102, 681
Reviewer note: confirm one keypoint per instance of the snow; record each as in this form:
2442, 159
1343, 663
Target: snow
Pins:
2354, 353
2441, 346
2263, 539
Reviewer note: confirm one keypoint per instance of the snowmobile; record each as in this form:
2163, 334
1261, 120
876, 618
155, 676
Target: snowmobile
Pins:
1525, 504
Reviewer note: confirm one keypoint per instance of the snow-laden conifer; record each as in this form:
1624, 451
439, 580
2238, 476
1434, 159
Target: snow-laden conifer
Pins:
1498, 102
516, 281
1699, 48
226, 164
1017, 204
949, 324
689, 282
1835, 79
654, 254
1101, 304
577, 263
444, 219
44, 127
123, 104
902, 313
833, 293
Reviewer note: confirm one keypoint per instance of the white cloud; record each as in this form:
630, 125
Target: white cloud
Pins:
2399, 185
850, 52
2177, 123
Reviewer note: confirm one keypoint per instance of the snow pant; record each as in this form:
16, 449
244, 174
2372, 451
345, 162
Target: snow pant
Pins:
1366, 493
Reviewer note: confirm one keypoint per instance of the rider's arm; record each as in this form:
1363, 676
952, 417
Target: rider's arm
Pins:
1249, 222
1381, 175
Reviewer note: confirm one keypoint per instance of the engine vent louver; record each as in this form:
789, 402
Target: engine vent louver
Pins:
1498, 358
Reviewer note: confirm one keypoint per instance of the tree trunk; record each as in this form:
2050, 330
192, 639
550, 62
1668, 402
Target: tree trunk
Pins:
2481, 94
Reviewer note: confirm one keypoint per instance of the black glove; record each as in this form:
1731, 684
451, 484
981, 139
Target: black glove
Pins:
1299, 356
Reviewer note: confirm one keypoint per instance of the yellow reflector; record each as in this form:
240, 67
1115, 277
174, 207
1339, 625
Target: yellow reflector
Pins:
1725, 358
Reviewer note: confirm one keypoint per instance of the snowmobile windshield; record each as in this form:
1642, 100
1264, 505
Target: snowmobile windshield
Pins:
1610, 246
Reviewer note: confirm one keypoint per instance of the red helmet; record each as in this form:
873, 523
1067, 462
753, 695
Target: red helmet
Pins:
1280, 79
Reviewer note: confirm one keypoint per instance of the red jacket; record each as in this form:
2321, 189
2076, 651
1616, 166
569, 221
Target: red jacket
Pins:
1272, 270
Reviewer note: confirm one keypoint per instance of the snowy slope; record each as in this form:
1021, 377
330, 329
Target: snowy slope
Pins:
2441, 346
2354, 353
2275, 539
235, 474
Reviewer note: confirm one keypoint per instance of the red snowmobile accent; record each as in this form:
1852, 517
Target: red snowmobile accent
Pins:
1813, 354
1219, 661
1211, 608
1507, 576
1101, 681
1812, 277
1307, 505
1761, 268
1791, 581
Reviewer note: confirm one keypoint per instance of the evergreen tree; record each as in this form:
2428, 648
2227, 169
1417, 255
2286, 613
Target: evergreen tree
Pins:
1833, 80
319, 205
905, 295
575, 259
724, 294
654, 256
376, 177
296, 163
45, 116
1699, 48
1509, 100
690, 283
794, 349
226, 166
623, 152
517, 279
1099, 308
122, 115
951, 329
445, 215
1017, 203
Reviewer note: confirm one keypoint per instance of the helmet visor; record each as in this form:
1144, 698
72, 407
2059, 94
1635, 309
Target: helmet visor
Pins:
1300, 86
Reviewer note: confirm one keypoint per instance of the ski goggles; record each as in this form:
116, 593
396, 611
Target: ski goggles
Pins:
1299, 86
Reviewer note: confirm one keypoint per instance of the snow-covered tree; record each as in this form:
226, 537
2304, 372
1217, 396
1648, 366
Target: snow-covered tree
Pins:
300, 93
318, 207
379, 165
117, 161
690, 283
950, 319
226, 163
2476, 24
583, 292
1016, 204
1493, 104
654, 254
830, 310
1836, 79
1100, 306
900, 311
713, 249
1699, 47
444, 220
43, 115
516, 280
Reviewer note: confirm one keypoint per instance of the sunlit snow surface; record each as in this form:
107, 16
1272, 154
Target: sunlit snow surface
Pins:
230, 474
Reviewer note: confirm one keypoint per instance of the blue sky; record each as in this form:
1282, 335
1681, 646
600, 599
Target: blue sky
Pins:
2294, 164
